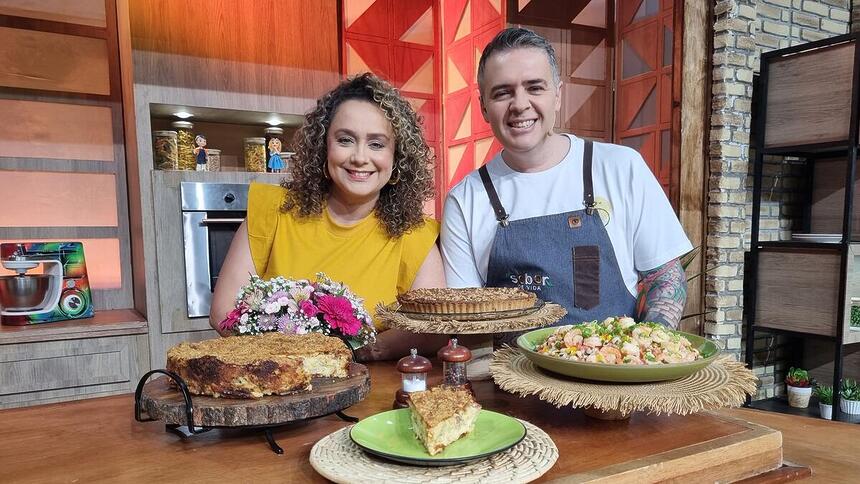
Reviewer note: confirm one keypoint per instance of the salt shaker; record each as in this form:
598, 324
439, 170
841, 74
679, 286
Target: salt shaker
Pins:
413, 371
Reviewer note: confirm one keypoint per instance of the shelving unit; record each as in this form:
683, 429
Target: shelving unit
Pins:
808, 109
225, 129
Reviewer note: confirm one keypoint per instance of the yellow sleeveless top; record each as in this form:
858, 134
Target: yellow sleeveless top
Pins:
363, 256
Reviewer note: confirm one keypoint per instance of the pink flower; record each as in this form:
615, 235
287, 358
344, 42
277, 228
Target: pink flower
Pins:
308, 308
232, 318
337, 312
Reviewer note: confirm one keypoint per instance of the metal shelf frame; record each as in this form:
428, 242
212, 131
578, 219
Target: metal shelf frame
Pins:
849, 148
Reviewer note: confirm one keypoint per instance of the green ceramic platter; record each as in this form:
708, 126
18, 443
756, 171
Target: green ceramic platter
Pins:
616, 373
389, 435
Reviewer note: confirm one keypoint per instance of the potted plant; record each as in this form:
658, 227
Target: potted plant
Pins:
799, 387
825, 401
850, 393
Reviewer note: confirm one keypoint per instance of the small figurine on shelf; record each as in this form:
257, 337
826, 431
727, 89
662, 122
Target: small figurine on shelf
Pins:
454, 358
200, 153
276, 164
413, 371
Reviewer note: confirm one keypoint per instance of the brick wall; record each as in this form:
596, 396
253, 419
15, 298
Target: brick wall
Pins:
742, 30
855, 16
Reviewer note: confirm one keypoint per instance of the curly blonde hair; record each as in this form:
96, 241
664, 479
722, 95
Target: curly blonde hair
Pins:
399, 207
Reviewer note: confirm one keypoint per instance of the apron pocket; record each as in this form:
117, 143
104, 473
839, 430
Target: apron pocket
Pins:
586, 276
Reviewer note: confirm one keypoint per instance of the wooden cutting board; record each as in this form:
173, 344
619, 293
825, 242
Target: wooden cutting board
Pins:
164, 402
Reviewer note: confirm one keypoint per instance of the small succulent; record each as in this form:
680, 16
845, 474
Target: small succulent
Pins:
850, 390
824, 394
798, 378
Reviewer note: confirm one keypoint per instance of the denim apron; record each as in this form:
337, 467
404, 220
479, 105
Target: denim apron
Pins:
566, 258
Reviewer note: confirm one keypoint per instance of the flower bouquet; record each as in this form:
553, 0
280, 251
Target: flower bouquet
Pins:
299, 306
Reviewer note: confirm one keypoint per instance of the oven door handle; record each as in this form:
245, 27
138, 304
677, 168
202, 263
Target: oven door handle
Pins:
210, 221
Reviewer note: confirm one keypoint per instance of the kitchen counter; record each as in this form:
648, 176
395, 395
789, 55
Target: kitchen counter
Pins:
98, 439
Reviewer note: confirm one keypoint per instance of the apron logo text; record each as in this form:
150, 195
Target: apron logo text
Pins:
530, 282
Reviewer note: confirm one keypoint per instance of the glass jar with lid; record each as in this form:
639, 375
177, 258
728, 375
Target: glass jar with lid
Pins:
165, 150
185, 145
255, 154
214, 157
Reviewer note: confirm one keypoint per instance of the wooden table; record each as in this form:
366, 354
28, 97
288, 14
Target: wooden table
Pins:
98, 440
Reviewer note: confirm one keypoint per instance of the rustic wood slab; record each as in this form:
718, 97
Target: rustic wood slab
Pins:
162, 401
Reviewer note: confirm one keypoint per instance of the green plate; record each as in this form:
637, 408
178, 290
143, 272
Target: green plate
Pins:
389, 435
616, 373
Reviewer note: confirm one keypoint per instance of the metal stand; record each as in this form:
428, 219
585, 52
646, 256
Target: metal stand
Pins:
177, 429
186, 396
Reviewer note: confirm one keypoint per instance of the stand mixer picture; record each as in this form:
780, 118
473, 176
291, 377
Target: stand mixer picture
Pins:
49, 283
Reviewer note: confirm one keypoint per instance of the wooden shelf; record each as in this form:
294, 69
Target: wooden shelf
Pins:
812, 150
117, 322
777, 404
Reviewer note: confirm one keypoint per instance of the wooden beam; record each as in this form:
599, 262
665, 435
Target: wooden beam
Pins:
695, 94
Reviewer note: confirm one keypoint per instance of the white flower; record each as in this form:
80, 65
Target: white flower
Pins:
272, 307
244, 319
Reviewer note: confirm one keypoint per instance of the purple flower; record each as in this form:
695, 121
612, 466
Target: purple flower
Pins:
284, 325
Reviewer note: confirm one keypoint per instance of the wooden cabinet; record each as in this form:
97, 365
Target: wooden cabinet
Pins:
71, 360
802, 285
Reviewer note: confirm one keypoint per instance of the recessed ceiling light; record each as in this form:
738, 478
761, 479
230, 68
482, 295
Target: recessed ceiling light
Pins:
183, 114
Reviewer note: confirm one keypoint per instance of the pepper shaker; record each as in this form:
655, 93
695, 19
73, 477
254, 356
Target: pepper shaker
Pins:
454, 358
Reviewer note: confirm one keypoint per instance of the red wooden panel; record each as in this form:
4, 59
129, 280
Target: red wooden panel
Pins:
483, 14
376, 20
407, 13
457, 169
407, 63
374, 54
453, 12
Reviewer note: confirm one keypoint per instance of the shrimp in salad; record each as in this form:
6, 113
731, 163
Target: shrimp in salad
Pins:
617, 341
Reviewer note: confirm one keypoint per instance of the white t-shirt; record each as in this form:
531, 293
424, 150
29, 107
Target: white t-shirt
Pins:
643, 228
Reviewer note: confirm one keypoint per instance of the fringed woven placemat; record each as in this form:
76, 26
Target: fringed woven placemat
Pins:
723, 383
548, 314
337, 458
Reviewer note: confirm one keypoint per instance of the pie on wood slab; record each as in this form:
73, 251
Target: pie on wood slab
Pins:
254, 366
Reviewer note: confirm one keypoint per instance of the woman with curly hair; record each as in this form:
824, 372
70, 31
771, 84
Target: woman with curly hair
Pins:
352, 208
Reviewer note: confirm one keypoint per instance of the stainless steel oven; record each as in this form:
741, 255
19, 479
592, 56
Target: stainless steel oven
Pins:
211, 215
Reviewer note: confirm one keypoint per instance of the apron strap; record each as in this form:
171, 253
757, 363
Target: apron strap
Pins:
587, 182
501, 214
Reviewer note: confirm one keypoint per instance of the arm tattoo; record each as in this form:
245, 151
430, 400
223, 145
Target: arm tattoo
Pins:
662, 294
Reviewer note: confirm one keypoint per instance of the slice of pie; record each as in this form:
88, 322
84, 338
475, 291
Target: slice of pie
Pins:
442, 415
468, 300
254, 366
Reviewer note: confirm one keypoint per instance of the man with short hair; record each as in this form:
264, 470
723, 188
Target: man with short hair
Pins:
580, 223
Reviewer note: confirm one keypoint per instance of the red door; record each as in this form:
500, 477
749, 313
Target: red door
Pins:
644, 56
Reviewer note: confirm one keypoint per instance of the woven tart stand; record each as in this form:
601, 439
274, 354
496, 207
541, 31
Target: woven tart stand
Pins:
160, 399
723, 383
337, 458
480, 331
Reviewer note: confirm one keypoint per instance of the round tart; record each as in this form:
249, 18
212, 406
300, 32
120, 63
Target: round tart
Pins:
467, 300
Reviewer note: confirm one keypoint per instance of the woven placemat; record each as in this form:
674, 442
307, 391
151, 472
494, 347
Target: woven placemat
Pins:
337, 458
548, 314
723, 383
